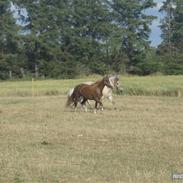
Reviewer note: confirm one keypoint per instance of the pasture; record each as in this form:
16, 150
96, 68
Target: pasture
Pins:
138, 140
148, 86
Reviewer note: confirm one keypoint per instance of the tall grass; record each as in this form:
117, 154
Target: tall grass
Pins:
133, 85
154, 85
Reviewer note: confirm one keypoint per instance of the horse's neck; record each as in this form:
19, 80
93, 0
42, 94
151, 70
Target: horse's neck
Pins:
100, 85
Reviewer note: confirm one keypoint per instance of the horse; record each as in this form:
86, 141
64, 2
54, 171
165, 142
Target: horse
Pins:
107, 91
84, 92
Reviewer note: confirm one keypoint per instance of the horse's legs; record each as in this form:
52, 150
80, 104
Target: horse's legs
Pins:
111, 100
101, 105
75, 105
83, 103
96, 104
75, 102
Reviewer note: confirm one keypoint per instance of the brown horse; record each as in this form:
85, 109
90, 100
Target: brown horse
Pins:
84, 92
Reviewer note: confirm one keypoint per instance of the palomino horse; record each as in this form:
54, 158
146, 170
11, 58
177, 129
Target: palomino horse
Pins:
84, 92
107, 91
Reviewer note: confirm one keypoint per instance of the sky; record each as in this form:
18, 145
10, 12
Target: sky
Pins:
155, 36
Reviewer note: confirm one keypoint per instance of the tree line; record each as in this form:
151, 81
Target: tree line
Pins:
64, 39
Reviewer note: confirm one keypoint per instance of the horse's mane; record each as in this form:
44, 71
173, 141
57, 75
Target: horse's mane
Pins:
97, 82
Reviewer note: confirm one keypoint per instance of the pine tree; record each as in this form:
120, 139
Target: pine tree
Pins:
65, 33
66, 38
167, 26
9, 38
133, 24
172, 27
177, 36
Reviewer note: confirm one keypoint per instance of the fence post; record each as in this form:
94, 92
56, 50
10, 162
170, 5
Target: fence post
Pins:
10, 75
33, 89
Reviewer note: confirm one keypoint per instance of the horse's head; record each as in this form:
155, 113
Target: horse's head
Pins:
107, 82
114, 80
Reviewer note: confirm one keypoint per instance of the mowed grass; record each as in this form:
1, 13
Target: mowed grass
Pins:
139, 141
133, 85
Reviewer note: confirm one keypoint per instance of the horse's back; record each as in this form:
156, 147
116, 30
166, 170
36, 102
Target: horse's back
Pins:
89, 82
89, 85
91, 92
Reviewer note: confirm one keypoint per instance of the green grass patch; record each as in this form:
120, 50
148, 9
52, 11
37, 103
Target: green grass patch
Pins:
133, 85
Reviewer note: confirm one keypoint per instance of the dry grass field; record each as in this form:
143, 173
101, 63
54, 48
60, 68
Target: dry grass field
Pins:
139, 141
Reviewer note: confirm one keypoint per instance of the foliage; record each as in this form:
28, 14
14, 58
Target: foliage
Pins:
9, 41
60, 36
170, 51
64, 39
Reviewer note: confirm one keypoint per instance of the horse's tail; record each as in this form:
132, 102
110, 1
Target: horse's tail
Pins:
70, 99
